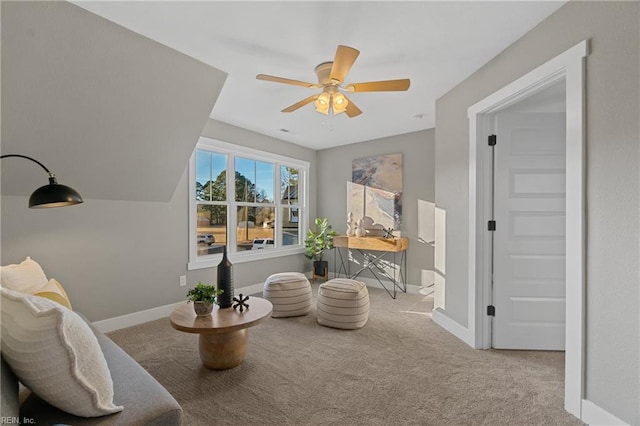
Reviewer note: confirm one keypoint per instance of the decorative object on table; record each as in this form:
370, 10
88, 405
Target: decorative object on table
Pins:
375, 190
203, 297
388, 233
350, 225
316, 244
241, 302
225, 280
360, 231
51, 195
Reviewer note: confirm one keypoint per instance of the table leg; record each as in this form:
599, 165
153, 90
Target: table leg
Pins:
220, 351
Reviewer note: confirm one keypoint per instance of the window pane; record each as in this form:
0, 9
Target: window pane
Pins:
245, 178
254, 224
211, 176
203, 175
219, 176
254, 181
290, 226
211, 229
264, 182
289, 185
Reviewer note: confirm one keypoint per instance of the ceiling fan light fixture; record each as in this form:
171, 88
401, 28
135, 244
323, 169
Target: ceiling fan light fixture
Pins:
322, 103
330, 78
339, 103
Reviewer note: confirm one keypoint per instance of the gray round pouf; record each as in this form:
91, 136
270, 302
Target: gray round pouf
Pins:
289, 293
343, 303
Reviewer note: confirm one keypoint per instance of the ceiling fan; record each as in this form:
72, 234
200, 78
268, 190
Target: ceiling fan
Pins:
330, 78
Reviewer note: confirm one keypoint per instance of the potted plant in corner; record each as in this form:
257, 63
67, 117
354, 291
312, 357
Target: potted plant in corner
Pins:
203, 297
317, 242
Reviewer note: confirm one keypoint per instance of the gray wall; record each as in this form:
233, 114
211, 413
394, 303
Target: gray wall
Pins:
417, 149
612, 183
119, 257
98, 104
123, 146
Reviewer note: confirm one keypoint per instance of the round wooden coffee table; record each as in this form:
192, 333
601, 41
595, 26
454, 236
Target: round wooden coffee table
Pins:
223, 333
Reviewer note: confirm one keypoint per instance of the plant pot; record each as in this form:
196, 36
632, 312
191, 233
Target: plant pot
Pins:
320, 267
203, 308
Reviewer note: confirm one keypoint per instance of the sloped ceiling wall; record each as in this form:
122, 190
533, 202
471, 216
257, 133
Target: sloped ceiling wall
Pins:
113, 114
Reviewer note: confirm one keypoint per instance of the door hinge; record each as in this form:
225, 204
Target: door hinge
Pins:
491, 311
491, 225
492, 140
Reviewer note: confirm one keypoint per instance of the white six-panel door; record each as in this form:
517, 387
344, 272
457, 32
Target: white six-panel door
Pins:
529, 240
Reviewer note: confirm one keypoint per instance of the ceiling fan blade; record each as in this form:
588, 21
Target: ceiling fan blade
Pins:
380, 86
287, 81
352, 110
300, 104
342, 63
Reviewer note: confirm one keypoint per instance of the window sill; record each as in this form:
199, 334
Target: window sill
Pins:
242, 257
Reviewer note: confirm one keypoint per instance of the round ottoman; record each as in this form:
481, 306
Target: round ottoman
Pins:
289, 293
343, 303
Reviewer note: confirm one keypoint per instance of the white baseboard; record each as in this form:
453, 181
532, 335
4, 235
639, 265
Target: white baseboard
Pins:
440, 317
372, 282
250, 289
135, 318
593, 415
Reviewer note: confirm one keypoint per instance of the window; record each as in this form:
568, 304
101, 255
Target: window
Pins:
260, 213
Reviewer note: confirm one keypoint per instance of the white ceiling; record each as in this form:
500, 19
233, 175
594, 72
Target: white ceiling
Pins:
435, 44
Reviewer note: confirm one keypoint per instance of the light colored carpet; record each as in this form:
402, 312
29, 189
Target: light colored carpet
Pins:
400, 369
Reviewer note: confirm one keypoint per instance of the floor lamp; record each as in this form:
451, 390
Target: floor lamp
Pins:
52, 194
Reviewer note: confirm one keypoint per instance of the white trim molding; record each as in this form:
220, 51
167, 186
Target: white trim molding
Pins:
568, 66
135, 318
232, 151
593, 415
441, 318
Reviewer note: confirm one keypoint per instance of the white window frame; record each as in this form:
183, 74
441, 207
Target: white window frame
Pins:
232, 151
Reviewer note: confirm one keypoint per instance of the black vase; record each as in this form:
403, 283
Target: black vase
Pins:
225, 281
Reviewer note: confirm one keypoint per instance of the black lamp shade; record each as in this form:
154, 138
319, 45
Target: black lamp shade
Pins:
54, 195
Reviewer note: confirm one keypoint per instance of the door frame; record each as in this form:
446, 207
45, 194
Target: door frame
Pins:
570, 67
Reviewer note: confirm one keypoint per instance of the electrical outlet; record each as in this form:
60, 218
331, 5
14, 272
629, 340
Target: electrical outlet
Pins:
183, 280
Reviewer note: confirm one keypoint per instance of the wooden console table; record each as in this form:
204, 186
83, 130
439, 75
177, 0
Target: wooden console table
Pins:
382, 249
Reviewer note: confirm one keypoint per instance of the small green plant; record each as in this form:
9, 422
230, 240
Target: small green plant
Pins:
319, 241
203, 293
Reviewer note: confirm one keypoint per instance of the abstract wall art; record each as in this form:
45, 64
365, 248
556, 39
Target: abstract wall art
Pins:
375, 192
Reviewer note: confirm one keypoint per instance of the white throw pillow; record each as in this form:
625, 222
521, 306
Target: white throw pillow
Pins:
25, 277
28, 277
56, 355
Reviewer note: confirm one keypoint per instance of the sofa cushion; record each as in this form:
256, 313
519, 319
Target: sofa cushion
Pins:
28, 277
145, 400
25, 277
56, 355
9, 403
54, 291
